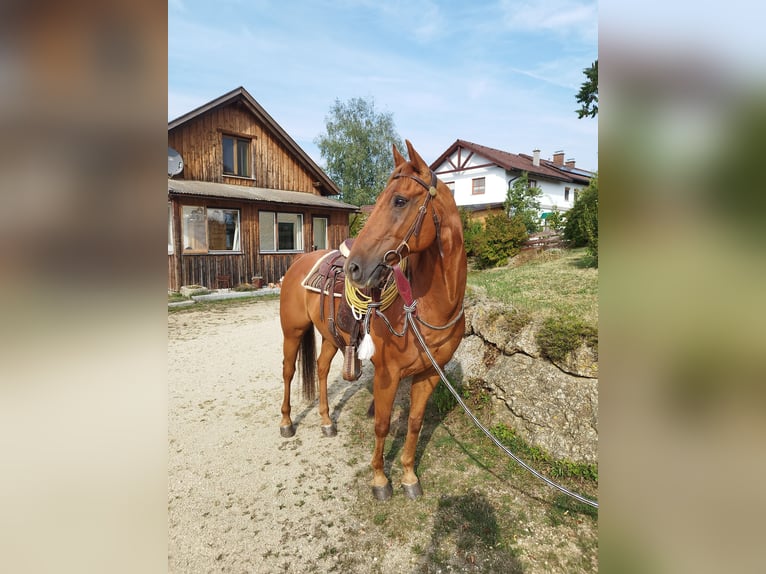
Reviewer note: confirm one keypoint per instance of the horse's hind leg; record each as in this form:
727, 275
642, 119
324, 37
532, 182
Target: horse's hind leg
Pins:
422, 387
323, 363
290, 354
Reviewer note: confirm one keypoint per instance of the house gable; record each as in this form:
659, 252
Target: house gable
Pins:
275, 160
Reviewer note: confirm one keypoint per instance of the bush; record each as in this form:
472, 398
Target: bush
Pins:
581, 229
561, 335
472, 230
502, 238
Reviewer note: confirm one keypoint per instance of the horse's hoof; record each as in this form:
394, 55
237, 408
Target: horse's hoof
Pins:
329, 430
412, 491
287, 431
382, 492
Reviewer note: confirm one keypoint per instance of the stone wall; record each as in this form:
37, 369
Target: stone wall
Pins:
553, 406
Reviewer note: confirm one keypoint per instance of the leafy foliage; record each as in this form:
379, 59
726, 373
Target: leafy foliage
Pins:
581, 227
560, 335
502, 238
588, 94
556, 219
472, 231
521, 202
357, 149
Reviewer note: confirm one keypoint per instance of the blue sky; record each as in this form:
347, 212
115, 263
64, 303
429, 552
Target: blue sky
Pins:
499, 73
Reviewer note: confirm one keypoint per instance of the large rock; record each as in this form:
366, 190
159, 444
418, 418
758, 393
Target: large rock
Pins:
553, 406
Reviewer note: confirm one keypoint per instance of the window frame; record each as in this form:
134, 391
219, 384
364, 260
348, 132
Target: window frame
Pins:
170, 229
326, 220
474, 185
237, 140
237, 242
297, 234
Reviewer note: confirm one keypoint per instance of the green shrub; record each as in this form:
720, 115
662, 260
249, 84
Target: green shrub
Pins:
502, 238
581, 228
472, 230
563, 334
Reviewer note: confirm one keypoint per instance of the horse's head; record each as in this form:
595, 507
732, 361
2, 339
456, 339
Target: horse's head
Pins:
408, 218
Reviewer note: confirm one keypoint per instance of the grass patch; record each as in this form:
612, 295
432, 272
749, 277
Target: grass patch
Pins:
174, 297
552, 283
560, 335
551, 467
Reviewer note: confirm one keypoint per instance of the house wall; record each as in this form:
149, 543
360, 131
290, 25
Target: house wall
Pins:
199, 142
496, 184
203, 269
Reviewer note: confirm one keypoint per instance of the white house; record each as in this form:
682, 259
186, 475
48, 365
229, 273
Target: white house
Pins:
480, 176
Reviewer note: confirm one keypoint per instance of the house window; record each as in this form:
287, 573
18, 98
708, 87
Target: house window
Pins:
170, 229
477, 186
532, 183
566, 194
223, 229
210, 229
280, 231
451, 186
320, 233
236, 156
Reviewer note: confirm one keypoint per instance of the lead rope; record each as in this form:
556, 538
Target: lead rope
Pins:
409, 315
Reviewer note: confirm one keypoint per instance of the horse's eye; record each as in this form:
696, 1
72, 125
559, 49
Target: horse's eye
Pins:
400, 201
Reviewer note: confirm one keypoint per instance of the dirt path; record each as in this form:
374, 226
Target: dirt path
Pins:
241, 498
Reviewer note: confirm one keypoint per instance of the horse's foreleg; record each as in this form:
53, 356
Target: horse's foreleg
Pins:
384, 391
323, 364
290, 353
422, 387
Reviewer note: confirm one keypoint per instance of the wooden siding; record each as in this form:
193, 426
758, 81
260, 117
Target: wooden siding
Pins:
202, 269
200, 144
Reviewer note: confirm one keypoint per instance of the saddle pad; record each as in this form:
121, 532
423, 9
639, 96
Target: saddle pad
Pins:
316, 279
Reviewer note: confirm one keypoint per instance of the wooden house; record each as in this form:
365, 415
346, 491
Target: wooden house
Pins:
249, 199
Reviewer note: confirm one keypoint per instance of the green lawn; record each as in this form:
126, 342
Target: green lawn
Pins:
552, 283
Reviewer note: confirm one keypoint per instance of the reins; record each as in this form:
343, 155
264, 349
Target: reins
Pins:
410, 312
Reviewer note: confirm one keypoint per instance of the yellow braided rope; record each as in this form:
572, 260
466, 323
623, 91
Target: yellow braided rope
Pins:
361, 302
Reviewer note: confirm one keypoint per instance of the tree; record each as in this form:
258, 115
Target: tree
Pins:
357, 149
581, 227
521, 202
588, 94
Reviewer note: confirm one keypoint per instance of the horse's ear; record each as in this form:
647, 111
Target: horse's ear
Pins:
418, 163
398, 158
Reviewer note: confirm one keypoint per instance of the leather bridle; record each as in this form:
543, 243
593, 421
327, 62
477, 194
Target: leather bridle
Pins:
418, 223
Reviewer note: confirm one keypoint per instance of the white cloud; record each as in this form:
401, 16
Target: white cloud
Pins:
564, 17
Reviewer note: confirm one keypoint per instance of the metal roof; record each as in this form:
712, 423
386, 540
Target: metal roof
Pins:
229, 191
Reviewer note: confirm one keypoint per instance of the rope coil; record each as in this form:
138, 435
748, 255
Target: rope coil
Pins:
360, 303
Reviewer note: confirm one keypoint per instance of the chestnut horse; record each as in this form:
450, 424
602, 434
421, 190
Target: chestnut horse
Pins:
415, 217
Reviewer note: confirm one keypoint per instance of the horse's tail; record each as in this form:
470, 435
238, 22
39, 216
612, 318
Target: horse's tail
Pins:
308, 360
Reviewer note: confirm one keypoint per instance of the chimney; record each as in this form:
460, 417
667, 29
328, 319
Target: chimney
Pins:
570, 162
536, 157
558, 157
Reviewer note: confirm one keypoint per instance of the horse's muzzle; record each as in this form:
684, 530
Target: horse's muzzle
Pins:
362, 277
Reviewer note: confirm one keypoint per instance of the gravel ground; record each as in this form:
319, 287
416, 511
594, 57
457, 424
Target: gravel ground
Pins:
243, 499
240, 497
